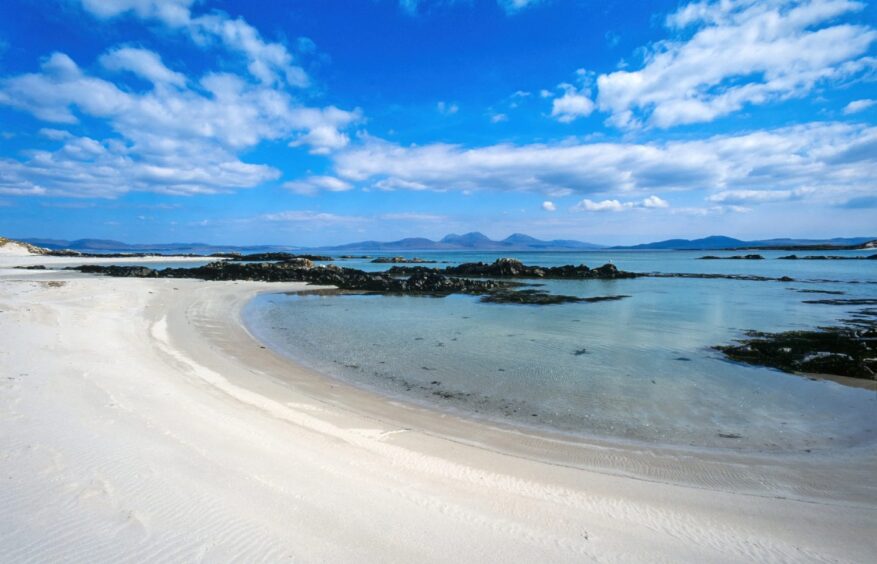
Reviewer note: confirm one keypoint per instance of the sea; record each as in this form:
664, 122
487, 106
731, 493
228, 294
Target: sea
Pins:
641, 370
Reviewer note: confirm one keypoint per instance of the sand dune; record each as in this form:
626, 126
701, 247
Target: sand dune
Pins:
140, 422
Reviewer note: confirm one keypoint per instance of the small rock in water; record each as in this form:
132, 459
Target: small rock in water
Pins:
730, 436
580, 352
683, 359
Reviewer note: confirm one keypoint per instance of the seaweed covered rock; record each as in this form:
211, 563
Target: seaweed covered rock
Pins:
513, 268
840, 351
401, 260
280, 257
425, 282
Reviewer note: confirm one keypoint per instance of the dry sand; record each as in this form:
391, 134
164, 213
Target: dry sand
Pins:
140, 422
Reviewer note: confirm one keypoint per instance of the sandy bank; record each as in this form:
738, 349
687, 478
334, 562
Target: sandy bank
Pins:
139, 421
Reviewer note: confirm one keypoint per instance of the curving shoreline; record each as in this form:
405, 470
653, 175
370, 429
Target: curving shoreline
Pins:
166, 405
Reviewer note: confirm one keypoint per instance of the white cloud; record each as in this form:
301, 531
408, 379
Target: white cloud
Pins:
514, 6
510, 7
498, 118
652, 202
750, 197
828, 158
446, 108
55, 134
413, 216
571, 106
86, 167
143, 63
732, 53
857, 106
271, 63
206, 120
655, 202
307, 216
171, 12
314, 184
549, 206
605, 205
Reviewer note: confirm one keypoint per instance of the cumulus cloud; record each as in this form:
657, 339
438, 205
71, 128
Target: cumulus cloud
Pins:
729, 54
143, 63
549, 206
269, 62
91, 168
572, 105
171, 12
857, 106
828, 158
651, 202
208, 122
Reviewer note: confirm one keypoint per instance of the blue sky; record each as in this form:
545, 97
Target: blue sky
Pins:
315, 122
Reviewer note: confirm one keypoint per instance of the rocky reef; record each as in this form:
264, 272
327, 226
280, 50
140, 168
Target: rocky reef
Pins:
827, 257
840, 351
272, 257
735, 257
849, 349
748, 277
513, 268
423, 283
402, 260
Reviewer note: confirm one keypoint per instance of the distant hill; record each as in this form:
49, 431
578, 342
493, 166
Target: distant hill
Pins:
110, 246
717, 242
473, 241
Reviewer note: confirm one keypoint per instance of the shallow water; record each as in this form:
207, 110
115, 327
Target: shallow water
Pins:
640, 369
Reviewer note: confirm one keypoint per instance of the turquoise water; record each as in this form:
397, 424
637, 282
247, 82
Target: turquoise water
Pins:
640, 369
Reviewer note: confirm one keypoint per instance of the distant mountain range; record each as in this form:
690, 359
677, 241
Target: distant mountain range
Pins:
466, 242
717, 242
106, 245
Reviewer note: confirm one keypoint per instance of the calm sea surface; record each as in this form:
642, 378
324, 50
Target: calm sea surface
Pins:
639, 369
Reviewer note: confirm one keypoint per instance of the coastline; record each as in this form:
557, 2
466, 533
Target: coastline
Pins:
212, 443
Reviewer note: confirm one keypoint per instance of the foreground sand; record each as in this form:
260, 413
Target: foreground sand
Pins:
140, 422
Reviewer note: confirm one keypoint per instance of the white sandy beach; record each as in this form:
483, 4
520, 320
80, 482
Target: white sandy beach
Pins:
140, 422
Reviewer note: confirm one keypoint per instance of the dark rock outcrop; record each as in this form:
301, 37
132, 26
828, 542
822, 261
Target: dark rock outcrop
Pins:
402, 260
749, 277
735, 257
840, 351
423, 282
262, 257
827, 257
512, 268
